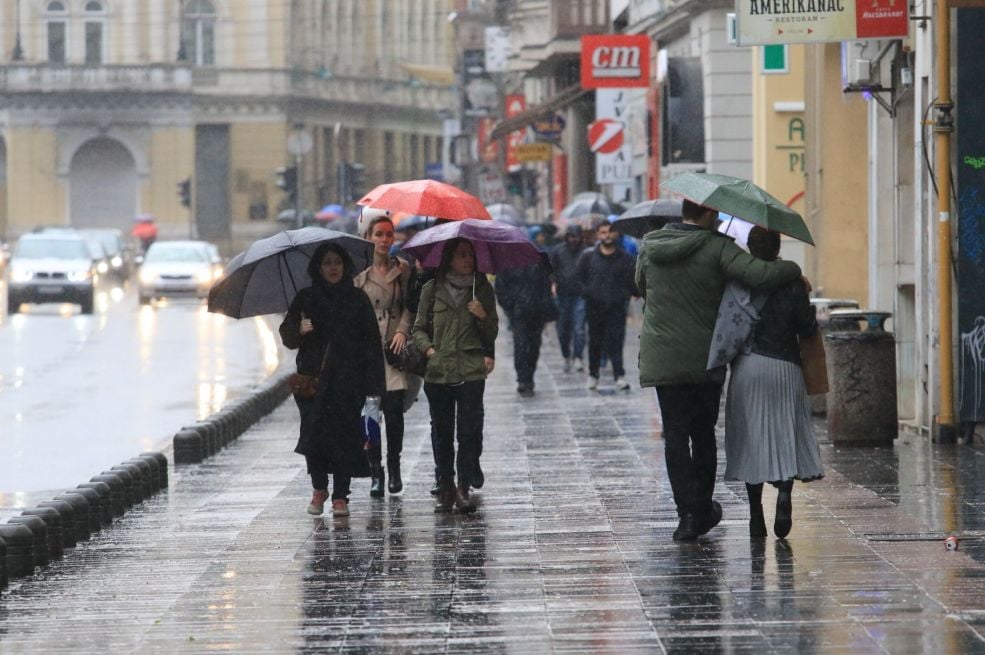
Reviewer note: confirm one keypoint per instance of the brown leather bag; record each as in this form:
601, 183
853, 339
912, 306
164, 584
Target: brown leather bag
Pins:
814, 364
303, 386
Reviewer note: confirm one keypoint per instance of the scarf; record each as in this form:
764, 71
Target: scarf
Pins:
458, 286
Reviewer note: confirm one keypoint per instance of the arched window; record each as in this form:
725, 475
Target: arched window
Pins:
56, 15
198, 32
95, 22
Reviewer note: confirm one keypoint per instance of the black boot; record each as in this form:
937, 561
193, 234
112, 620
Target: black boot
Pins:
757, 524
377, 487
396, 485
784, 510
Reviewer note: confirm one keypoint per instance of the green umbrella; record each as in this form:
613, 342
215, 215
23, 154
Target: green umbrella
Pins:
740, 198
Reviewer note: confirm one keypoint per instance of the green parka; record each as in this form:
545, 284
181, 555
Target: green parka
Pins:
460, 340
681, 272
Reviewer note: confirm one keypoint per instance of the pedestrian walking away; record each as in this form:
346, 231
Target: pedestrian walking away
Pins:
456, 328
570, 303
681, 272
525, 295
769, 434
386, 283
334, 329
605, 274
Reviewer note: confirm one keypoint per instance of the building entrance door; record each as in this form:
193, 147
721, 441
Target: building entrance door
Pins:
103, 183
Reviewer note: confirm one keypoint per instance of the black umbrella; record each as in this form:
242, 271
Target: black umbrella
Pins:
647, 216
587, 204
265, 277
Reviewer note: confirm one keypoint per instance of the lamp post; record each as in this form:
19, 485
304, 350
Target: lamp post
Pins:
18, 53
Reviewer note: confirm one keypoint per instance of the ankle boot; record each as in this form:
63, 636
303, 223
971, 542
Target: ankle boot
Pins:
463, 502
446, 496
396, 485
784, 510
377, 487
757, 523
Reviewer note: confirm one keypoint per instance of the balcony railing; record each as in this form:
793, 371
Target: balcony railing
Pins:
57, 77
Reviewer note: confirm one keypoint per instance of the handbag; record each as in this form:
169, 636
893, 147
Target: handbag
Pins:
814, 364
409, 359
304, 386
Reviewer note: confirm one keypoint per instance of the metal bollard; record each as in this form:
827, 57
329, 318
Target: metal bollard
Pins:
20, 549
189, 447
83, 517
117, 492
162, 466
862, 365
101, 507
148, 475
135, 484
67, 512
53, 521
3, 563
39, 531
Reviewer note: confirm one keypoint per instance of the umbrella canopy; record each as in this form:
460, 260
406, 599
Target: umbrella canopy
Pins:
647, 216
497, 246
588, 204
329, 212
265, 277
411, 222
506, 214
742, 199
736, 228
426, 198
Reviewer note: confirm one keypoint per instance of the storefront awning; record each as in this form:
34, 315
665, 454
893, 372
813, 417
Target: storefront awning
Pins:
560, 100
434, 74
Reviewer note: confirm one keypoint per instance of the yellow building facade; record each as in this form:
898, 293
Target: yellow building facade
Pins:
106, 105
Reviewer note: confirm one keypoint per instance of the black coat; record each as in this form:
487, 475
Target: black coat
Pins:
787, 315
607, 280
525, 293
343, 318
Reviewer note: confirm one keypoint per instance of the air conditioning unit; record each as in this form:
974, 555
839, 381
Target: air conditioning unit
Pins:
857, 67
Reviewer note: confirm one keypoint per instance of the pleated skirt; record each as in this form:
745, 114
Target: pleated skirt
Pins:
769, 434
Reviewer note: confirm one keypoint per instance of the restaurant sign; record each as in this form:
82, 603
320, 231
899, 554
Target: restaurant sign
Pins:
764, 22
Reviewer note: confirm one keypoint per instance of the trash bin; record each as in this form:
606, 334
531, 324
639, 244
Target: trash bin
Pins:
825, 306
862, 375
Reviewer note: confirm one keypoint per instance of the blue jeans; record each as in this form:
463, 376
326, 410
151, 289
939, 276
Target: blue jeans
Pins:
571, 325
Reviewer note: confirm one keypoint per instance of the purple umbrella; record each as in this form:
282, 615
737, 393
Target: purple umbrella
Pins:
497, 246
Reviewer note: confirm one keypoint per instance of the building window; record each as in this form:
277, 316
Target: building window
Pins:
94, 33
57, 31
198, 32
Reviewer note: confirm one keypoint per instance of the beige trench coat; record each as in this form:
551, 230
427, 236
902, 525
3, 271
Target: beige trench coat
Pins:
389, 302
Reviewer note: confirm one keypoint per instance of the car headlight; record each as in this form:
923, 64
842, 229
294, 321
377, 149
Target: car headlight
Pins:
204, 276
78, 276
116, 262
102, 267
147, 277
20, 275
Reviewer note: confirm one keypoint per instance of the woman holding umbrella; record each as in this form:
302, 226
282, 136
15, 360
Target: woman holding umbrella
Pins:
456, 329
386, 282
332, 325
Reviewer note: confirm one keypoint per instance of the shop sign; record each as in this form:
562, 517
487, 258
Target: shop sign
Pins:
615, 60
763, 22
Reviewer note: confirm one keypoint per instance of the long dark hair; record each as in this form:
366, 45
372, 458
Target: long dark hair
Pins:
314, 264
448, 253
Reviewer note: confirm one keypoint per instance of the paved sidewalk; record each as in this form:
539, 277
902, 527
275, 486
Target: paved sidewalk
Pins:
570, 551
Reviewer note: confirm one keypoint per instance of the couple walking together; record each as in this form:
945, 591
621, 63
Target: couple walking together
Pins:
340, 326
682, 272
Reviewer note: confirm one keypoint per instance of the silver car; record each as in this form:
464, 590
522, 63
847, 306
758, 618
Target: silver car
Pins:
176, 269
52, 267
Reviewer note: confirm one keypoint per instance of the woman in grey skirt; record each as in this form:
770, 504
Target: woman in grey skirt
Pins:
769, 435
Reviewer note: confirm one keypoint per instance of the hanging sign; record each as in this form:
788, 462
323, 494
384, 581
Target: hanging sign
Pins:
763, 22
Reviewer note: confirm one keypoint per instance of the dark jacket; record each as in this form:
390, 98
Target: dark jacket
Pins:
681, 271
460, 340
344, 321
564, 261
525, 293
787, 315
606, 279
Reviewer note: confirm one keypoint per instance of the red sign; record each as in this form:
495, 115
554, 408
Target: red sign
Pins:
881, 18
515, 104
616, 60
488, 150
606, 135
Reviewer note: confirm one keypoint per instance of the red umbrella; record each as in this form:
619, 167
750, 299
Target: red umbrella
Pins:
426, 198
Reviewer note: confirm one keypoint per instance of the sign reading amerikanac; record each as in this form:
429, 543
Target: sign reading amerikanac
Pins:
763, 22
615, 60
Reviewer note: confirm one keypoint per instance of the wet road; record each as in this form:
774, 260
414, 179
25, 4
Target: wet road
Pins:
79, 393
569, 552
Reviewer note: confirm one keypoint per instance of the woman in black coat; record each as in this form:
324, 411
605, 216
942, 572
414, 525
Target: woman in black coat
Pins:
333, 326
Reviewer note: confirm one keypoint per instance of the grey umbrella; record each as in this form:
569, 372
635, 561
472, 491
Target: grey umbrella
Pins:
647, 216
265, 277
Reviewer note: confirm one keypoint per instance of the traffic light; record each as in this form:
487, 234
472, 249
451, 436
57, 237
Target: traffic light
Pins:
357, 181
185, 192
287, 180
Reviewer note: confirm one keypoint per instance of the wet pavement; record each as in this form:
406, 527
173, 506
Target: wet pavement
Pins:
570, 551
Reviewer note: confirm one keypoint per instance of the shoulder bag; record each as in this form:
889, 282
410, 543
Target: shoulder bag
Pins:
305, 386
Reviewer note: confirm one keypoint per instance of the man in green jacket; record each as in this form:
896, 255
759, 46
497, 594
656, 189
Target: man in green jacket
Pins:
681, 273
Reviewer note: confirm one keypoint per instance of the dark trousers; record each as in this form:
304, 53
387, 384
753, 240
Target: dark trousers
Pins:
606, 333
392, 408
571, 325
456, 406
689, 413
319, 480
526, 347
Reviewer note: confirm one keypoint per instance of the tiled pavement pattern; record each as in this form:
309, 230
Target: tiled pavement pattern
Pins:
570, 551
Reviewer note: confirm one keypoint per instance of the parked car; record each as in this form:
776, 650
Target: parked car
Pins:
52, 267
176, 269
120, 256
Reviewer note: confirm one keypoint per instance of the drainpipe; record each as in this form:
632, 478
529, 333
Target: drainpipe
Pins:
944, 428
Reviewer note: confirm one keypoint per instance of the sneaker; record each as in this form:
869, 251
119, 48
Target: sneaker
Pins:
340, 507
622, 384
593, 383
317, 505
579, 364
567, 365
